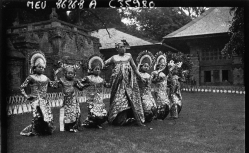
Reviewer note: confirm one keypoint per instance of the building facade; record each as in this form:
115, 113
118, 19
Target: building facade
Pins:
204, 38
55, 39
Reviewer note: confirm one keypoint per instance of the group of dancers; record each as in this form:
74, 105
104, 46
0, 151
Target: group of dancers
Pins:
131, 97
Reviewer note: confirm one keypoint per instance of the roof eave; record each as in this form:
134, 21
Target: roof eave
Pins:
190, 23
196, 36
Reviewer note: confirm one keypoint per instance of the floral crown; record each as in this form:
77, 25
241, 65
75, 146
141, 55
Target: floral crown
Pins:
172, 65
159, 55
37, 57
67, 67
95, 60
145, 57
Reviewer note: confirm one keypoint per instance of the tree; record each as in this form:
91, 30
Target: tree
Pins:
193, 12
95, 19
236, 44
157, 22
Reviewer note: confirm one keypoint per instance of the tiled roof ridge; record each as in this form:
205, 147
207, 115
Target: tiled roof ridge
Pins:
117, 35
191, 22
123, 30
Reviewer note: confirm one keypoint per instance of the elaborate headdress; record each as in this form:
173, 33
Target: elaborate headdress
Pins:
64, 66
159, 55
95, 60
37, 58
172, 65
124, 42
145, 57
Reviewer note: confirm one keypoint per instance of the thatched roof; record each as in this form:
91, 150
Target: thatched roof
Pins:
213, 21
117, 36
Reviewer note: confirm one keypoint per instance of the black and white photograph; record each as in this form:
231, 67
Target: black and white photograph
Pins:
123, 76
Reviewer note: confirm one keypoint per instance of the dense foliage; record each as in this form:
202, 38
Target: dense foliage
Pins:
193, 12
236, 44
155, 23
152, 23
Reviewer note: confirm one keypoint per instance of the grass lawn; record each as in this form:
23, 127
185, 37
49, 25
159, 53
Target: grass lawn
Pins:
209, 122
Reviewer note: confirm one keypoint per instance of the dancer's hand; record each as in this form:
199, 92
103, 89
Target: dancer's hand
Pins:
105, 66
143, 80
55, 75
106, 84
30, 98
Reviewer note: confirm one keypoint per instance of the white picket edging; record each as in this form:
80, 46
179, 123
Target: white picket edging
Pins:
214, 89
17, 104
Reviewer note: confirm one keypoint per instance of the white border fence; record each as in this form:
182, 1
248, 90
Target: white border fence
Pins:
17, 104
214, 89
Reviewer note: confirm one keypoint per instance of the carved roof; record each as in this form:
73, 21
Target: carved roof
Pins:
215, 20
117, 36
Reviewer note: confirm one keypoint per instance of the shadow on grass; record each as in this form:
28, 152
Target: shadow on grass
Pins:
208, 122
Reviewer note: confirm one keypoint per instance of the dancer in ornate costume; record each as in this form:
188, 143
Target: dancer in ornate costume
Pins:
145, 60
160, 80
125, 101
42, 122
97, 113
70, 104
175, 92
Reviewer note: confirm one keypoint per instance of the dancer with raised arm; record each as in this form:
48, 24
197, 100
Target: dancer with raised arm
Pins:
97, 113
175, 77
42, 122
159, 78
125, 101
71, 106
145, 61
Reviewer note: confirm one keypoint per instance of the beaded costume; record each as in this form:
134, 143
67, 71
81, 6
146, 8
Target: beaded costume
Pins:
42, 122
125, 100
148, 102
175, 92
70, 104
97, 113
160, 80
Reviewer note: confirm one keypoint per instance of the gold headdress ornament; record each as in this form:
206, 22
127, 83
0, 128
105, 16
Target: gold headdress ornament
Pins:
94, 61
75, 66
172, 65
67, 67
145, 57
37, 58
159, 55
124, 42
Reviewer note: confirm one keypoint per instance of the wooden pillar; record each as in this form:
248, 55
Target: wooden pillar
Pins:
220, 75
212, 76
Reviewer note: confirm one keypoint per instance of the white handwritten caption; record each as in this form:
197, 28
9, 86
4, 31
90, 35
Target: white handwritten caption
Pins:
72, 4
